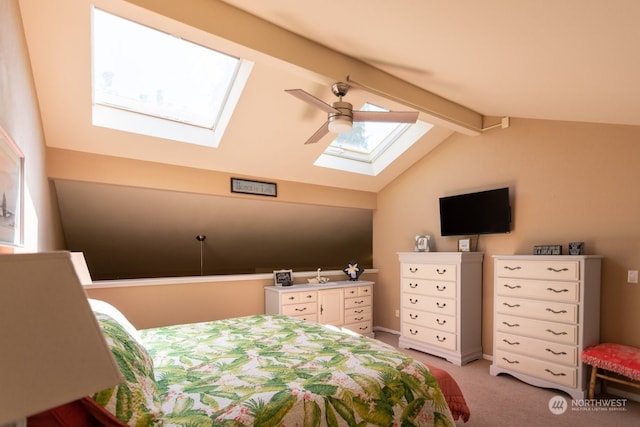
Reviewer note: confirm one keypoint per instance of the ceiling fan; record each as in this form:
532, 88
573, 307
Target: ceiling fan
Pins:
341, 115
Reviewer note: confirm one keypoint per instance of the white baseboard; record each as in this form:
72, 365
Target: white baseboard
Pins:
382, 329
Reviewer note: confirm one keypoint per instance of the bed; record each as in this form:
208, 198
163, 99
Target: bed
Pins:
267, 370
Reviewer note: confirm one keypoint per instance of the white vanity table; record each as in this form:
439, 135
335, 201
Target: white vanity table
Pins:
348, 304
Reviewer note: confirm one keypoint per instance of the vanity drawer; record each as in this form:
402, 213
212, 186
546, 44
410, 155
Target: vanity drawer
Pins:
540, 289
357, 302
545, 310
552, 331
358, 291
298, 297
430, 271
358, 314
437, 288
299, 309
363, 328
543, 269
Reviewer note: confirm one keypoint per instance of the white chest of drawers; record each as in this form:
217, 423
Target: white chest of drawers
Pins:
441, 304
348, 304
546, 310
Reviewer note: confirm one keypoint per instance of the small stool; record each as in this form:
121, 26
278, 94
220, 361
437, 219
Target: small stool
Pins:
621, 359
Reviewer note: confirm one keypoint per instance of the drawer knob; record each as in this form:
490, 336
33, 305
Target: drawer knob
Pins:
511, 325
358, 311
359, 302
506, 267
511, 305
301, 309
413, 269
558, 291
309, 296
359, 318
413, 332
364, 328
413, 316
506, 285
511, 342
440, 322
413, 285
441, 288
413, 300
556, 311
556, 333
557, 270
443, 271
561, 374
443, 339
443, 305
556, 353
292, 298
513, 362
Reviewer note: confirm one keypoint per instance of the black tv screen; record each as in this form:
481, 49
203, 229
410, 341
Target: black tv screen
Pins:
484, 212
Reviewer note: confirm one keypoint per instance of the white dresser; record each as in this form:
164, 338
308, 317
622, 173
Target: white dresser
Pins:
546, 310
348, 304
441, 304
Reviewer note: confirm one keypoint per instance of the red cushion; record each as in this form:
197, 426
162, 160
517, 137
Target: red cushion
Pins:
618, 358
83, 412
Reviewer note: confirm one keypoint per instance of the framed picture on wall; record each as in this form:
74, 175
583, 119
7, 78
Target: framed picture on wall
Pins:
11, 190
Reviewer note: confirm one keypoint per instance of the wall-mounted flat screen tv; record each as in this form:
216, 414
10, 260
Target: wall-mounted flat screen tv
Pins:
484, 212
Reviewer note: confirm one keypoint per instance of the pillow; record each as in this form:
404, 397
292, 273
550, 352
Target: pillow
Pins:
135, 401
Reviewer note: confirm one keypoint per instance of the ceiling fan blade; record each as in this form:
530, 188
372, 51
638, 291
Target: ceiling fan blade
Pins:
317, 136
385, 116
310, 99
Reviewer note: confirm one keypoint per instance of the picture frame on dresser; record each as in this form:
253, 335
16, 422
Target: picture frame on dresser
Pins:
283, 277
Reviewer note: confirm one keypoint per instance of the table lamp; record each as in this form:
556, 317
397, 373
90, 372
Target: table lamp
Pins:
52, 349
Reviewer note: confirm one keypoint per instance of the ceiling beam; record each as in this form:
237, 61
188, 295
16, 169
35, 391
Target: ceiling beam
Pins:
234, 25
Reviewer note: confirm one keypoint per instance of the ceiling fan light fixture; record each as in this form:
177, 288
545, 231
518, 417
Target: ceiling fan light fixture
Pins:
340, 124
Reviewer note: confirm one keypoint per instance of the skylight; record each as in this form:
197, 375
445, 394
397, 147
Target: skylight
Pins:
150, 82
371, 146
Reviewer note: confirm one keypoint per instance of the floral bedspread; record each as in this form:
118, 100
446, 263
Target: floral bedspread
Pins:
277, 371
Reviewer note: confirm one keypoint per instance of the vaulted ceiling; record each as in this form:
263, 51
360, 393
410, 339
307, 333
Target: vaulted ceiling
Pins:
461, 64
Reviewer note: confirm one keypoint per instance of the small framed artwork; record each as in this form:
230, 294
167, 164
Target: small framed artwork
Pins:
254, 187
422, 243
12, 190
464, 245
283, 277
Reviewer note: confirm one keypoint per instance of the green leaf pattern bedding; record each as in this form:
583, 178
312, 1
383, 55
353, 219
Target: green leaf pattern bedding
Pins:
278, 371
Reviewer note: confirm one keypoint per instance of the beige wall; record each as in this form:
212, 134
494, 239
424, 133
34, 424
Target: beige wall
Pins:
19, 116
568, 181
149, 306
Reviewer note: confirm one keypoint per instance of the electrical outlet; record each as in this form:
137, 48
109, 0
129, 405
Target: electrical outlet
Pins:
632, 276
397, 313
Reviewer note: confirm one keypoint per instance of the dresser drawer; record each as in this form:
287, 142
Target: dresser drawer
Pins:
299, 309
358, 291
312, 317
429, 303
540, 289
431, 320
358, 314
434, 337
363, 328
558, 374
298, 297
545, 310
438, 288
430, 271
552, 331
357, 302
558, 353
543, 269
